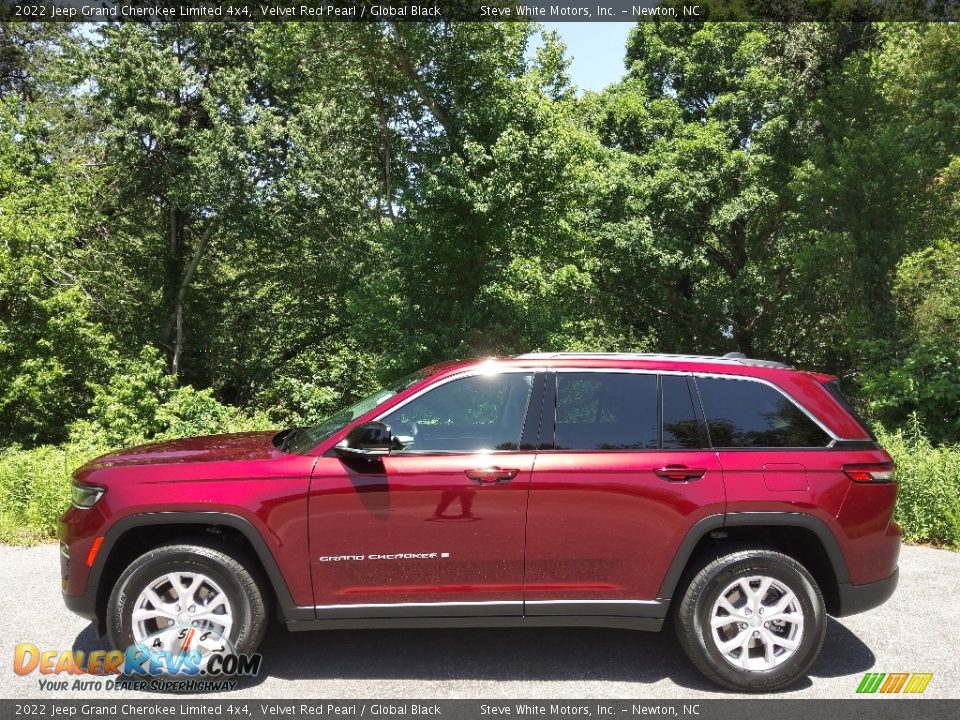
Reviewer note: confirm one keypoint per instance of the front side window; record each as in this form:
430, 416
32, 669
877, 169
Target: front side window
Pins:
606, 411
471, 414
301, 440
744, 414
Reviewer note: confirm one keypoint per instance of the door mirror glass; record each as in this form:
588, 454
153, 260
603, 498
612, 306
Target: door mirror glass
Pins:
370, 440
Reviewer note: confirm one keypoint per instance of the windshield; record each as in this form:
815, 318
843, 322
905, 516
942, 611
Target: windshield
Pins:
306, 439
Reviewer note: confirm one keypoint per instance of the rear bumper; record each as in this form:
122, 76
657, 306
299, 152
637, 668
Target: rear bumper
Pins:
858, 598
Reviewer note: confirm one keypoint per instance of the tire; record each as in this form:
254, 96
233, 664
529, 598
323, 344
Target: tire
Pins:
230, 583
767, 665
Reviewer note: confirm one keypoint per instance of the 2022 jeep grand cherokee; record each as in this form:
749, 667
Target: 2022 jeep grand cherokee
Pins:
743, 497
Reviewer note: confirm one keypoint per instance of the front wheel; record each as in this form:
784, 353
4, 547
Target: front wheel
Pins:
180, 600
752, 620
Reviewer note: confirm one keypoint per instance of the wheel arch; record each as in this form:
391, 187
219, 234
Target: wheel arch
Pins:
133, 535
804, 537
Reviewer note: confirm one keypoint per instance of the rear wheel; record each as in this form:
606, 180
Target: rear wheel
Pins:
752, 620
181, 599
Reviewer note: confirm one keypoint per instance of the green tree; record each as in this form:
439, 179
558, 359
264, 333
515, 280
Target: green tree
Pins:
716, 116
50, 341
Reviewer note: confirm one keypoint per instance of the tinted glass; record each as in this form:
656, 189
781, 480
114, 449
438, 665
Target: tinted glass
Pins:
680, 427
834, 389
483, 412
743, 413
606, 411
310, 437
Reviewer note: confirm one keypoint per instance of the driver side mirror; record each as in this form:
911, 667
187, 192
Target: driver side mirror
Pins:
370, 440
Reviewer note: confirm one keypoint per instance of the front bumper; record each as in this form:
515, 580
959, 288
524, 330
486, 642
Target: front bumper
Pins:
83, 605
859, 598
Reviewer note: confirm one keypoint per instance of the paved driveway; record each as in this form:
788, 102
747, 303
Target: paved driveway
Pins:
916, 631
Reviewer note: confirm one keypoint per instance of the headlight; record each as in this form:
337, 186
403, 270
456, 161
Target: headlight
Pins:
85, 496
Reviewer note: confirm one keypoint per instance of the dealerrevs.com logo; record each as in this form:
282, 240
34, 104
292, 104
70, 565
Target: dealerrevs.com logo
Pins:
894, 683
187, 660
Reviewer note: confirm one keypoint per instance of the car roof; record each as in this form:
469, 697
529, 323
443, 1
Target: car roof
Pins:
734, 358
729, 364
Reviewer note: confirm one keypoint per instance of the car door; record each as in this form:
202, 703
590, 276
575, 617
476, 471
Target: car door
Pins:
776, 457
627, 472
436, 528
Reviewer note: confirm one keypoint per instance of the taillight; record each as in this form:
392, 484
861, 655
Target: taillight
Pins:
879, 472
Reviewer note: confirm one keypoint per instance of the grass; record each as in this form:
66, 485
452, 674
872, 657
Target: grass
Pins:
35, 490
928, 506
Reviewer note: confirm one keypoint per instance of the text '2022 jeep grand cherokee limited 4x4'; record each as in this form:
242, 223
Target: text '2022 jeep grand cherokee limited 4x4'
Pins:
743, 497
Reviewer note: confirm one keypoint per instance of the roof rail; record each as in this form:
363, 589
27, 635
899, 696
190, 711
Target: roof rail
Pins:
734, 358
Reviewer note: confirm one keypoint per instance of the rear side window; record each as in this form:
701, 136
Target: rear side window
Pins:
833, 387
744, 413
606, 411
680, 427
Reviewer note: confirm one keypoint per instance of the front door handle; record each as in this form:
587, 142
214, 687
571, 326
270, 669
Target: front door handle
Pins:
492, 475
678, 473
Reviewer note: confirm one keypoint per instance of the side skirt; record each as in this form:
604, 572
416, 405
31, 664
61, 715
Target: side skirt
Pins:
599, 621
626, 614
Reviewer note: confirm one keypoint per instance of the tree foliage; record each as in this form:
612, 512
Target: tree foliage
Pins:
278, 217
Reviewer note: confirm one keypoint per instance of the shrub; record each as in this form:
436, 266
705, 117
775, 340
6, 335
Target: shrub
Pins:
35, 489
921, 379
141, 403
321, 381
928, 507
189, 412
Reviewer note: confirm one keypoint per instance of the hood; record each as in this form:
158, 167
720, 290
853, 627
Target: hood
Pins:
209, 448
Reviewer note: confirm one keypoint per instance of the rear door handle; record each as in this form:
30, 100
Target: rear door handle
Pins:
678, 473
492, 475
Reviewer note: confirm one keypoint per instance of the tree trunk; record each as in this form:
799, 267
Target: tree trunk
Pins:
177, 280
173, 271
401, 61
182, 293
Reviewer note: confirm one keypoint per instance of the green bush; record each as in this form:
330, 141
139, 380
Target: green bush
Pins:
35, 489
920, 379
928, 507
142, 403
139, 403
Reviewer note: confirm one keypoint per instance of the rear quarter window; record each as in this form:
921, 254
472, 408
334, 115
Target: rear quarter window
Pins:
750, 414
833, 387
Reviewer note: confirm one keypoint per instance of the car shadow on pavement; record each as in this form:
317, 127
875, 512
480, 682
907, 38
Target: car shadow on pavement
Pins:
536, 654
88, 640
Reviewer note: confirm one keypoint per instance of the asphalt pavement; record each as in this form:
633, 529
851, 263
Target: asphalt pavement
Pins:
917, 630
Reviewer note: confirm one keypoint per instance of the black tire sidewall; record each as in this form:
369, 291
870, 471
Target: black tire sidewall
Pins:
150, 567
811, 603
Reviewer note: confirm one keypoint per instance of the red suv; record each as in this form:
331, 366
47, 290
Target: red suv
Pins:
743, 498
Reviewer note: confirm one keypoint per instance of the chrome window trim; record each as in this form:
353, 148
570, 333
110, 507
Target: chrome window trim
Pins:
479, 370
